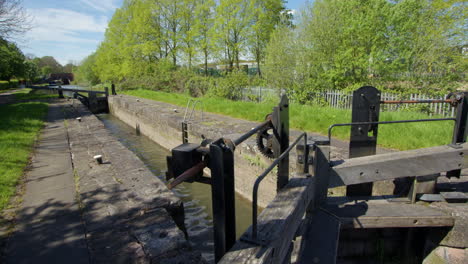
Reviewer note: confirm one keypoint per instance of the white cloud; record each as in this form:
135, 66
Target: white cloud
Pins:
67, 20
101, 5
62, 25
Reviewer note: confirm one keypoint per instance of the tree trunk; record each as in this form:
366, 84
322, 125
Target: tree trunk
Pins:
258, 67
206, 62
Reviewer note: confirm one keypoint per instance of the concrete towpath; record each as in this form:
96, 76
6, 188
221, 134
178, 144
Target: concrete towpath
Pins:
8, 96
48, 224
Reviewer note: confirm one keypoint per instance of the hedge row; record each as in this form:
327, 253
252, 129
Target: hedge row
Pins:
8, 84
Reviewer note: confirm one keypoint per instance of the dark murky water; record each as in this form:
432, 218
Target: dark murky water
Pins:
196, 196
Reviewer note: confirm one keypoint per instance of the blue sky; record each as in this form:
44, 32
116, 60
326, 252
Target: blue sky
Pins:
70, 30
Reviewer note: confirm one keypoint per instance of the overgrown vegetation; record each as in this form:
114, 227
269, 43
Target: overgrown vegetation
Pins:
318, 119
6, 85
19, 126
333, 44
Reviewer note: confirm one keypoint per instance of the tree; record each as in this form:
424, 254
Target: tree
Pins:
109, 61
46, 70
347, 39
189, 31
354, 42
426, 36
68, 67
204, 22
86, 73
171, 19
233, 18
13, 18
281, 57
267, 15
11, 60
31, 71
51, 62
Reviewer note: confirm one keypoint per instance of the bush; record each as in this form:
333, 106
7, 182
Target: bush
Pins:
198, 86
230, 86
8, 84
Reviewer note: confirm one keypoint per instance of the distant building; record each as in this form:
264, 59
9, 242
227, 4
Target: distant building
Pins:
65, 78
250, 67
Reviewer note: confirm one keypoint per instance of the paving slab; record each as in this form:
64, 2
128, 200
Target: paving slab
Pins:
130, 215
49, 227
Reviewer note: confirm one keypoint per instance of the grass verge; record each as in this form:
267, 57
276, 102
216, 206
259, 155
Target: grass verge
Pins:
318, 119
30, 94
20, 124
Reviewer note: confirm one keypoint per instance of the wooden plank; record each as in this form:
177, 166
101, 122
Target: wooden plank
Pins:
68, 90
384, 214
277, 225
388, 166
319, 244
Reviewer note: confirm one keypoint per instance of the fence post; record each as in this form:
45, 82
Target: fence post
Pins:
113, 89
60, 92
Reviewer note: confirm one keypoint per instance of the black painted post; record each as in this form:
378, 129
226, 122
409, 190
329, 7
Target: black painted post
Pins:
107, 91
223, 197
460, 130
113, 89
363, 140
92, 102
218, 202
321, 172
280, 121
60, 92
229, 198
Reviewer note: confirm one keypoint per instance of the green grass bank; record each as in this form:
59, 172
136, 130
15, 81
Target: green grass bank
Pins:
318, 119
26, 94
20, 124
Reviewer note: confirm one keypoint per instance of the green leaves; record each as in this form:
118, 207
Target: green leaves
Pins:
11, 60
339, 44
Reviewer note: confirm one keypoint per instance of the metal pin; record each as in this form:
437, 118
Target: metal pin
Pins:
98, 159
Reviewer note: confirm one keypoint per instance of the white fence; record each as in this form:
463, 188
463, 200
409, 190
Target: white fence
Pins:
343, 100
339, 99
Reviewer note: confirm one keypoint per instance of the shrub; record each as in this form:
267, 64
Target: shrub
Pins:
230, 86
8, 84
198, 85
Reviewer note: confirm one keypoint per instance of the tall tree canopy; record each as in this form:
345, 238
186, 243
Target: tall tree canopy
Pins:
11, 60
341, 44
143, 36
333, 44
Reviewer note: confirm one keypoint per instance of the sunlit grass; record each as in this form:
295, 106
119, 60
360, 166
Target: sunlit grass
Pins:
19, 126
31, 94
318, 119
